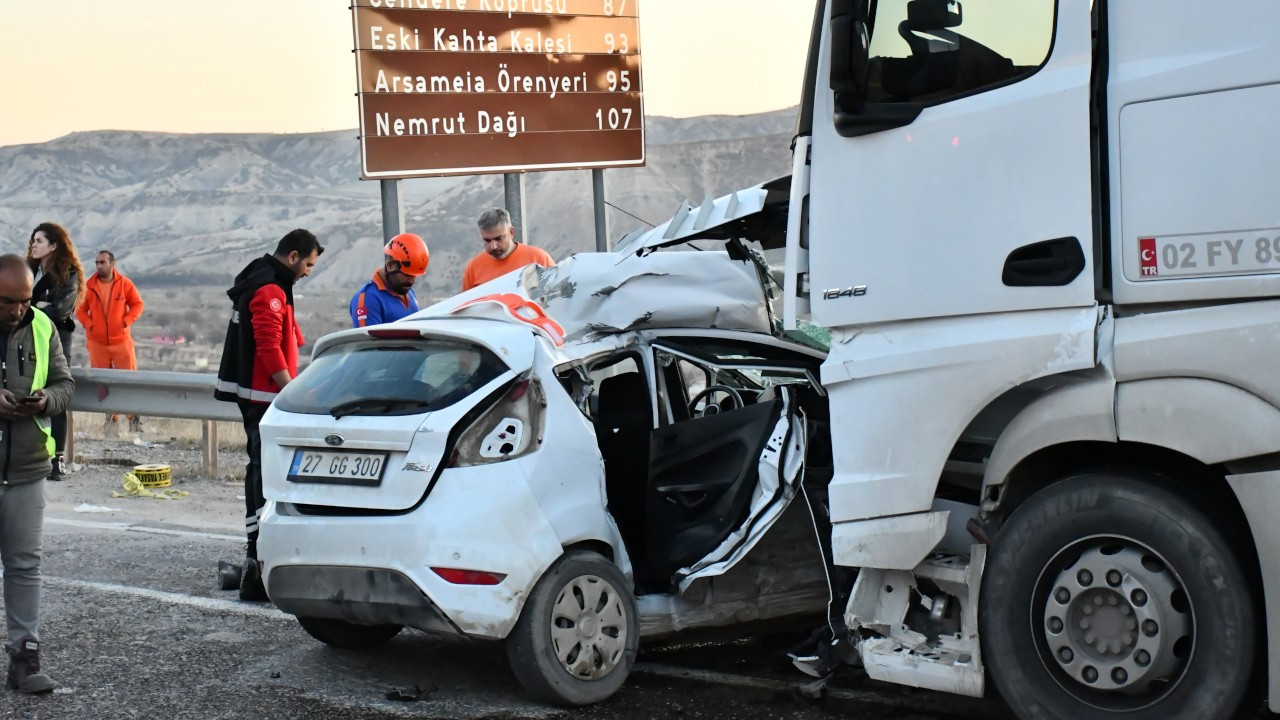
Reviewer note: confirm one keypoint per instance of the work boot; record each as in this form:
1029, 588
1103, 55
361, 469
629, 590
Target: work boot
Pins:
58, 469
251, 587
24, 670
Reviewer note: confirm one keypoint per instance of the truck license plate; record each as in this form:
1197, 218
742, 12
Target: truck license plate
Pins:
342, 468
1184, 256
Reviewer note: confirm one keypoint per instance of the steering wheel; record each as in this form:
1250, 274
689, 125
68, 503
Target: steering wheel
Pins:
706, 391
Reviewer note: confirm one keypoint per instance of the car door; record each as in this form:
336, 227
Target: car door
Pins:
718, 474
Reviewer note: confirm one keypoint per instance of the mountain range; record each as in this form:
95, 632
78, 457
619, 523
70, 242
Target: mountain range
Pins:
191, 209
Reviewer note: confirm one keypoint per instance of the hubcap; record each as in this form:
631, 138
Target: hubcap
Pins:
589, 627
1117, 619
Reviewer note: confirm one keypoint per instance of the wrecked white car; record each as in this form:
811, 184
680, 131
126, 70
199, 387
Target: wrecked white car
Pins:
566, 459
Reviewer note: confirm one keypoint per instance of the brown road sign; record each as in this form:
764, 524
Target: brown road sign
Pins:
610, 8
460, 87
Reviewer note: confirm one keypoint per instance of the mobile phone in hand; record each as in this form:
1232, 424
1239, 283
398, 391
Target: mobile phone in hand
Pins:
31, 399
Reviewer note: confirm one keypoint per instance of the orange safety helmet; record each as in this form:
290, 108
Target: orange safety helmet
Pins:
411, 252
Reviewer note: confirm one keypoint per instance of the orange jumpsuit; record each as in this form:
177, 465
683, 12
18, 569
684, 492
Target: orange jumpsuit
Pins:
109, 308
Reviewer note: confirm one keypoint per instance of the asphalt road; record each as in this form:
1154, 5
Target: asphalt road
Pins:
135, 627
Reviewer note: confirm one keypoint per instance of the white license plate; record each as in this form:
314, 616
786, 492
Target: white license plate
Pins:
1187, 256
344, 468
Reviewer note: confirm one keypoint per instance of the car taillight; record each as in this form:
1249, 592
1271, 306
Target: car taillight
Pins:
510, 429
395, 334
454, 576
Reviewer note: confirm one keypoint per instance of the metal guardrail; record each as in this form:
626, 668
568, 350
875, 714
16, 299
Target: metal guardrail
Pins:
151, 393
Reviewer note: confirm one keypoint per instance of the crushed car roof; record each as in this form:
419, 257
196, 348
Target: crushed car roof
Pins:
594, 294
759, 213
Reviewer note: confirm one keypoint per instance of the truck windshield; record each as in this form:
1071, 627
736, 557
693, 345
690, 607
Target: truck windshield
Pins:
385, 377
933, 50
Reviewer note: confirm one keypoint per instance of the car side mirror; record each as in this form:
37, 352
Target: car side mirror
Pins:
850, 48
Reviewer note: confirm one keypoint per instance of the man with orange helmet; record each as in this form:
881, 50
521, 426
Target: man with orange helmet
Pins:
389, 295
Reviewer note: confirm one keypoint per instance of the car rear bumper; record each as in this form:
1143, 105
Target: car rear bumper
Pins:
368, 596
378, 568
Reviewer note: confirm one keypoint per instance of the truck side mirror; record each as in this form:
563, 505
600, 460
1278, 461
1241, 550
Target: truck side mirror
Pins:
934, 14
851, 66
850, 47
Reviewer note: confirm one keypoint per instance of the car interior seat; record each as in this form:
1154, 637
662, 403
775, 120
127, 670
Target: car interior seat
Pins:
623, 403
623, 422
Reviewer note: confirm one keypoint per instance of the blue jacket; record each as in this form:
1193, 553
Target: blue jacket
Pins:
374, 304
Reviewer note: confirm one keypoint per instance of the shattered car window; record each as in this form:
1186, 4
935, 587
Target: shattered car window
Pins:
695, 377
727, 352
684, 378
771, 378
379, 377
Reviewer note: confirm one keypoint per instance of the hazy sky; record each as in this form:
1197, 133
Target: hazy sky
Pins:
286, 65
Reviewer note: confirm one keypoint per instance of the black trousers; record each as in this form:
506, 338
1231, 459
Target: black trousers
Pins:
58, 423
253, 500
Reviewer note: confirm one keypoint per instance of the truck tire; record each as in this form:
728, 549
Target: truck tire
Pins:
1109, 596
576, 639
348, 636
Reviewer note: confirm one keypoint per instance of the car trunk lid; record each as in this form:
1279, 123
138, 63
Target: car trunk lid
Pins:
397, 400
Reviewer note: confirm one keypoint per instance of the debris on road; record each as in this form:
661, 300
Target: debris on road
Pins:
87, 508
414, 694
229, 575
133, 487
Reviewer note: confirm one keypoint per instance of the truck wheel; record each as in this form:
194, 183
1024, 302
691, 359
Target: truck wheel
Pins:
1108, 596
348, 636
576, 638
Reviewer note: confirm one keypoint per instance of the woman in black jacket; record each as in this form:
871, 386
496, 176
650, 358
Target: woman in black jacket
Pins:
58, 291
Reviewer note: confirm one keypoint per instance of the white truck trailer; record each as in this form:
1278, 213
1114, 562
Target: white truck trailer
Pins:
1045, 235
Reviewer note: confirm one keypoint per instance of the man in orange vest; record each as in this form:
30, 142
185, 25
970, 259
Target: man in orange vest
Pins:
110, 306
502, 253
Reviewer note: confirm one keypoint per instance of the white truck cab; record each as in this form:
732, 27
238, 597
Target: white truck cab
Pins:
1045, 236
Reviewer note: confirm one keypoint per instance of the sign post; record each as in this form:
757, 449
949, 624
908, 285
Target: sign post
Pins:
513, 194
602, 220
462, 87
392, 211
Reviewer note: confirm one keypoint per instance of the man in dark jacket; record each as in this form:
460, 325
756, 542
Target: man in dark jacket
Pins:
259, 357
35, 384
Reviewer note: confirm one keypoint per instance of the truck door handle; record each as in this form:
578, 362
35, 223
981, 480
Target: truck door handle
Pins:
1048, 263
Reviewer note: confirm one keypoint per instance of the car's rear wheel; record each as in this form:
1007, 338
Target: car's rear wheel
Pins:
348, 636
576, 639
1110, 596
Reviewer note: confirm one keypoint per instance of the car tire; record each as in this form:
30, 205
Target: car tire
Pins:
576, 639
348, 636
1110, 596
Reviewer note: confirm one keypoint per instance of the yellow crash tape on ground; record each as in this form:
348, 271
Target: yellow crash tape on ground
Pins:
133, 488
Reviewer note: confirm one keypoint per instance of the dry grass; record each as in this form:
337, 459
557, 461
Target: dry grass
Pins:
93, 426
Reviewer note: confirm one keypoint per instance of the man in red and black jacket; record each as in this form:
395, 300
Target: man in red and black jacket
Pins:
259, 357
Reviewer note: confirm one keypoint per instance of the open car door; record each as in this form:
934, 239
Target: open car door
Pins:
719, 475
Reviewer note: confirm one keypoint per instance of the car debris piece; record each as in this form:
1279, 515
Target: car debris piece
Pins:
229, 575
414, 694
